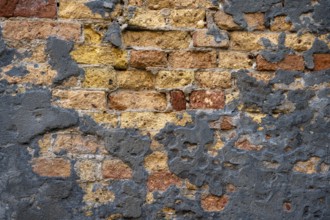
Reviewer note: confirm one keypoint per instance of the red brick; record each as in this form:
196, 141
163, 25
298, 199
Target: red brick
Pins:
321, 61
178, 100
28, 8
151, 58
52, 167
207, 99
116, 169
290, 62
193, 59
162, 180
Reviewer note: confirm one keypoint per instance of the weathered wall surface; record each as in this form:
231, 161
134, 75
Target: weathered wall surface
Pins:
172, 109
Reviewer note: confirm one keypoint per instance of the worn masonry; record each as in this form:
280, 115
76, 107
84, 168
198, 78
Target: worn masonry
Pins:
150, 109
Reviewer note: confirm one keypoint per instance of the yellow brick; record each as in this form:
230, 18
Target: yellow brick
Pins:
152, 120
135, 80
308, 166
156, 4
96, 77
213, 80
147, 19
187, 18
299, 43
91, 35
87, 170
234, 60
80, 99
90, 54
107, 119
174, 79
78, 10
97, 193
157, 161
250, 41
159, 39
280, 24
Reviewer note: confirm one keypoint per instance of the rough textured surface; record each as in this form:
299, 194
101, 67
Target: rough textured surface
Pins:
145, 109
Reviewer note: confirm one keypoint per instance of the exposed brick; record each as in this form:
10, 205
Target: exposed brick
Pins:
152, 58
178, 100
202, 39
255, 21
212, 203
156, 4
321, 61
234, 60
116, 169
152, 121
187, 18
244, 143
207, 99
80, 99
87, 170
147, 19
91, 54
225, 21
146, 100
157, 39
157, 161
280, 24
107, 119
78, 10
174, 79
213, 79
227, 123
193, 59
51, 167
28, 8
250, 41
96, 77
77, 144
308, 166
31, 30
290, 62
135, 80
162, 180
300, 43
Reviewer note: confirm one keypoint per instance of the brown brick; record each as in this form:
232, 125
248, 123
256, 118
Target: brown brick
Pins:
202, 39
280, 24
255, 21
152, 58
135, 80
234, 60
144, 100
193, 59
214, 203
225, 21
227, 123
52, 167
244, 143
80, 99
321, 61
290, 62
157, 39
178, 100
77, 144
162, 180
116, 169
28, 8
31, 30
207, 99
187, 18
213, 80
250, 41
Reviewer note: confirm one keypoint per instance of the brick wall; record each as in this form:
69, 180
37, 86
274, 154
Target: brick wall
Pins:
149, 109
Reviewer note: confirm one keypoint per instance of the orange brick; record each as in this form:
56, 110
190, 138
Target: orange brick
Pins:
207, 99
290, 62
162, 180
116, 169
214, 203
321, 61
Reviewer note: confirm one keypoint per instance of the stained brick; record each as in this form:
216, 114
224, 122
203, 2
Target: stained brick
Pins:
207, 99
